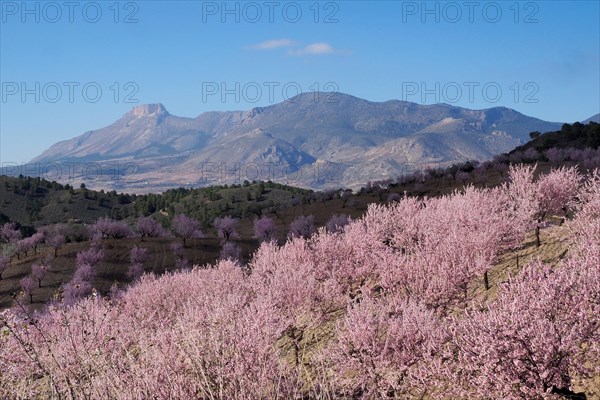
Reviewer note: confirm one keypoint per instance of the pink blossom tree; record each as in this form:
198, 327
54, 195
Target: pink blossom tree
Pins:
90, 256
556, 192
28, 284
382, 348
149, 227
106, 228
265, 229
56, 240
554, 155
180, 261
84, 272
231, 251
38, 272
532, 339
337, 223
35, 240
302, 226
462, 177
138, 256
23, 246
226, 227
551, 193
75, 290
531, 155
9, 233
186, 228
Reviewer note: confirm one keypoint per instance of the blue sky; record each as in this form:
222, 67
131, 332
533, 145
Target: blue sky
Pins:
540, 58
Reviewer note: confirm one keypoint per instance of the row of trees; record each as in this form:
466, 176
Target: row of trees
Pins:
380, 309
183, 227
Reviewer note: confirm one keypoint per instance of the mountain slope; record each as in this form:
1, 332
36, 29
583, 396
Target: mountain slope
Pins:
324, 140
594, 118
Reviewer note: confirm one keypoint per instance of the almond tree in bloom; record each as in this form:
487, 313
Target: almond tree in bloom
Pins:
554, 155
148, 227
28, 284
535, 200
180, 261
302, 226
585, 228
106, 228
84, 272
80, 285
9, 233
186, 228
231, 251
23, 246
90, 256
265, 229
556, 192
337, 223
138, 256
380, 350
542, 329
440, 245
76, 290
35, 240
38, 272
226, 227
56, 239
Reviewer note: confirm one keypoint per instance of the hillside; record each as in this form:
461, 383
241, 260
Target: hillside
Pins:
452, 296
33, 203
577, 135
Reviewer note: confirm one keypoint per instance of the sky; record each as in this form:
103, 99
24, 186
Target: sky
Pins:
67, 67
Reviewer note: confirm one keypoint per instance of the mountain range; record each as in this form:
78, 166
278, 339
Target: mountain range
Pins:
312, 140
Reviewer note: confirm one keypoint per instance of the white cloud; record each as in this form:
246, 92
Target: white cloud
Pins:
314, 49
320, 48
297, 49
273, 44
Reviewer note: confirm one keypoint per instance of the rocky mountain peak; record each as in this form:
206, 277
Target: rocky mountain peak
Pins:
146, 110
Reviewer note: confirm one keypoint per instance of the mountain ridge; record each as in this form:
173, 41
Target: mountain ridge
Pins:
364, 140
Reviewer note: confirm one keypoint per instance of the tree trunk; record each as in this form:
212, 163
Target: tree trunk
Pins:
537, 236
568, 394
486, 281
